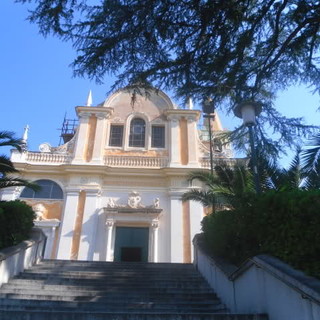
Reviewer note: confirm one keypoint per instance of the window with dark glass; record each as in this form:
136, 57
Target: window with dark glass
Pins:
157, 137
137, 133
48, 190
116, 135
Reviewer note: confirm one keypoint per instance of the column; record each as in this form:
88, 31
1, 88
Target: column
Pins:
100, 139
154, 232
82, 137
110, 229
192, 142
68, 222
174, 141
196, 216
89, 225
176, 228
49, 229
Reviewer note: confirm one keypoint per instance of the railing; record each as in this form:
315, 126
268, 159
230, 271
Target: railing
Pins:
47, 157
24, 255
262, 284
205, 163
143, 162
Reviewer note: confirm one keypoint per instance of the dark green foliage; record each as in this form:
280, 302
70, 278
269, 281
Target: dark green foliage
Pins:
228, 50
16, 221
284, 224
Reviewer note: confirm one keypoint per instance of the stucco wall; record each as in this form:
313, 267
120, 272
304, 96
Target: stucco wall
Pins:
14, 260
262, 284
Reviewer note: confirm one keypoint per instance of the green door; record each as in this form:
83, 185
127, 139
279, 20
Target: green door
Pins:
131, 244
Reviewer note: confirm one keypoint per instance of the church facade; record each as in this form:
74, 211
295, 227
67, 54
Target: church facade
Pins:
112, 191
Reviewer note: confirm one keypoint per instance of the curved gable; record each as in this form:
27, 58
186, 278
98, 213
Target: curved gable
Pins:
152, 106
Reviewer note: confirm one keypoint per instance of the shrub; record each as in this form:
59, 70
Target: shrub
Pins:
16, 221
284, 224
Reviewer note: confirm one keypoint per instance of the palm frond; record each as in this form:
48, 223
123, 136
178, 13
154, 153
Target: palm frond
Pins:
311, 155
7, 139
206, 198
6, 166
6, 182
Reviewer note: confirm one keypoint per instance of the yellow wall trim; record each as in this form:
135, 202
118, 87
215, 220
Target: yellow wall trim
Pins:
186, 232
78, 226
91, 133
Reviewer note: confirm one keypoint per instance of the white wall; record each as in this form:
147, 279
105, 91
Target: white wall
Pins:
14, 260
262, 285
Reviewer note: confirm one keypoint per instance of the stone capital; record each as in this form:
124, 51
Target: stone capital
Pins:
84, 115
102, 116
110, 223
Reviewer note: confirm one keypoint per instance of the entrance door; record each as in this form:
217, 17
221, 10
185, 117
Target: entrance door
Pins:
131, 244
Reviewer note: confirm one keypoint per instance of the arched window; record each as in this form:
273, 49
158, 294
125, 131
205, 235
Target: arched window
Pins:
137, 133
48, 190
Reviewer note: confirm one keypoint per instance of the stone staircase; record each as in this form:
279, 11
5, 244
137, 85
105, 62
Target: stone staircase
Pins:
77, 290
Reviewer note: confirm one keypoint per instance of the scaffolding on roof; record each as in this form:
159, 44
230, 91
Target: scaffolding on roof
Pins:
68, 129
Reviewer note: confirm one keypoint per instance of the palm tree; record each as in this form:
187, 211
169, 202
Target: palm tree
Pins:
232, 186
6, 166
229, 186
280, 179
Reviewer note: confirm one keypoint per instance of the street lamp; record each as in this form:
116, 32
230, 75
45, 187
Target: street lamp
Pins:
247, 111
208, 110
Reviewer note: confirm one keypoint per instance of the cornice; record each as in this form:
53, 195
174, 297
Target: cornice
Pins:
94, 110
104, 170
182, 113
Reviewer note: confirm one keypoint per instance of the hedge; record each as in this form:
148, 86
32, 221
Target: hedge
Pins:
16, 221
284, 224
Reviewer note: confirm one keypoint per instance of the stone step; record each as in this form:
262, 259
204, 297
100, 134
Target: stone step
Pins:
101, 297
139, 276
118, 273
74, 291
117, 265
74, 315
102, 287
109, 286
107, 279
34, 304
82, 290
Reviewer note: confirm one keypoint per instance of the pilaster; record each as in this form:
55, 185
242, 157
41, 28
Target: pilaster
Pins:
82, 137
177, 117
176, 228
110, 236
89, 225
196, 215
174, 141
68, 222
154, 228
100, 138
193, 153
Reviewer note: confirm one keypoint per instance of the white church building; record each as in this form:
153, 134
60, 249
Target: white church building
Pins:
112, 191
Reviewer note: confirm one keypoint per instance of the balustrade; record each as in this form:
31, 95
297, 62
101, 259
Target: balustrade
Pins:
47, 157
127, 161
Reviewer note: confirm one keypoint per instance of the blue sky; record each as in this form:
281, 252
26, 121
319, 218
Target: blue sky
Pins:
37, 87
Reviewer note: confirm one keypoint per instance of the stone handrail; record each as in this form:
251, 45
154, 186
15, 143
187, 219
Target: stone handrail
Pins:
24, 255
135, 161
261, 284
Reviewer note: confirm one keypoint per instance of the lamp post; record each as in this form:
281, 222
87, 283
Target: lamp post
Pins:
247, 111
208, 110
